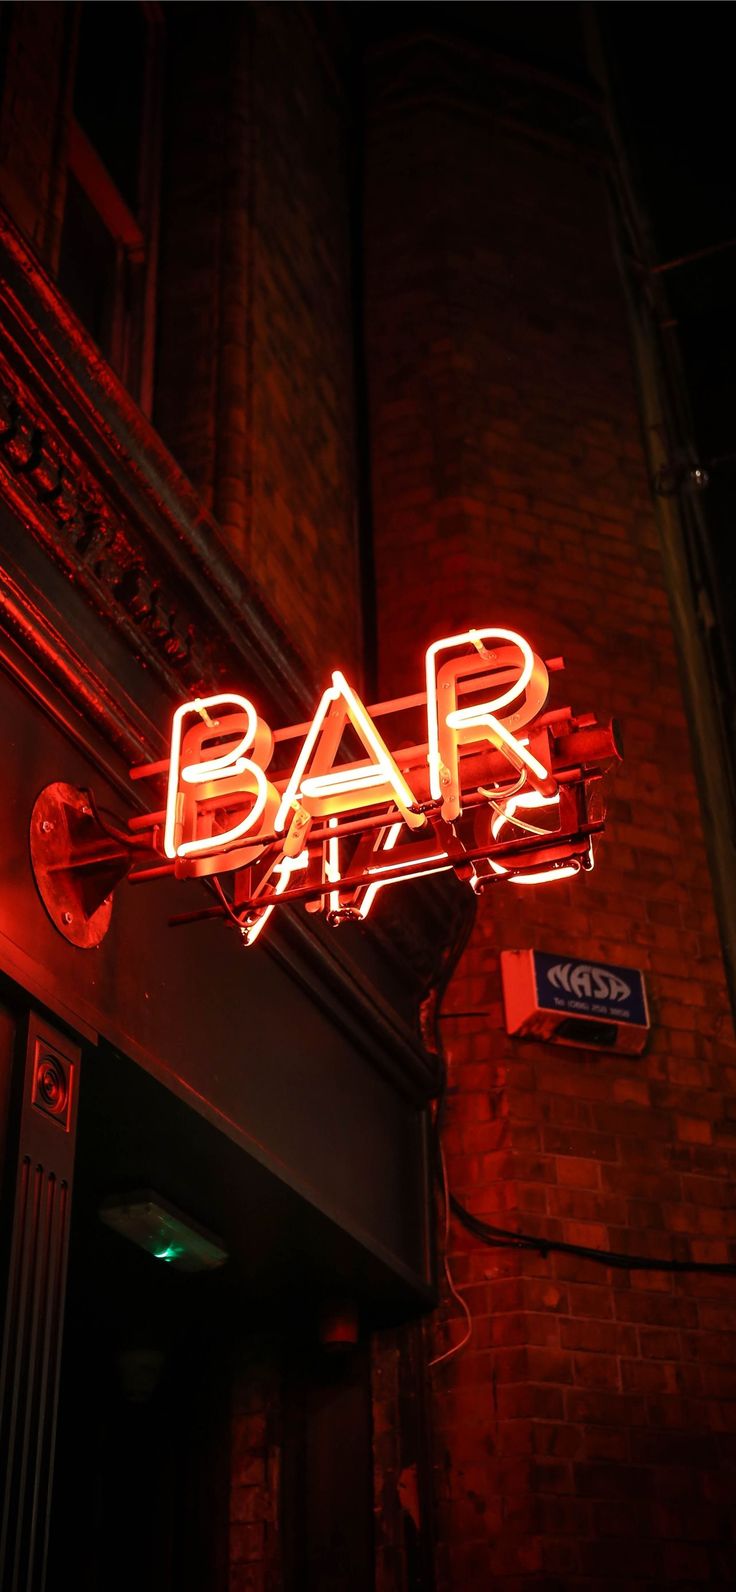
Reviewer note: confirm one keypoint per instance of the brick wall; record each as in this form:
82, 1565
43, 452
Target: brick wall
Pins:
255, 1466
255, 392
587, 1435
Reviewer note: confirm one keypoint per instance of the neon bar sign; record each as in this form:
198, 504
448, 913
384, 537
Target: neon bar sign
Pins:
500, 789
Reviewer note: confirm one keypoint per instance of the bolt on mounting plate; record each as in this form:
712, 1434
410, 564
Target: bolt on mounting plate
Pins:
76, 864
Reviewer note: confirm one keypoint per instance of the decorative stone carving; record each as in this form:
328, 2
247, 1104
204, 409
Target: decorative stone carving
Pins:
105, 555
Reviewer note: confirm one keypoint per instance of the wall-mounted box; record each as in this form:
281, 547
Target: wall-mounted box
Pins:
594, 1005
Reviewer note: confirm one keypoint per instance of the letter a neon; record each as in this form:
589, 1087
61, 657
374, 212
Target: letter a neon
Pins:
325, 790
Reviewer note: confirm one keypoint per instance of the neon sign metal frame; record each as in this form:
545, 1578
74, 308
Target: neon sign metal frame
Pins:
503, 788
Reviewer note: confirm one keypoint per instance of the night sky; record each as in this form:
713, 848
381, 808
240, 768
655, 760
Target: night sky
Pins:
672, 72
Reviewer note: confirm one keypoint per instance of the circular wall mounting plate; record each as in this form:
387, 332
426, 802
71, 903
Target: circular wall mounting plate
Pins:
70, 865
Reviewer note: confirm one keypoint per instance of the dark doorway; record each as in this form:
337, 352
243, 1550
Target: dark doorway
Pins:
151, 1355
141, 1483
141, 1487
327, 1476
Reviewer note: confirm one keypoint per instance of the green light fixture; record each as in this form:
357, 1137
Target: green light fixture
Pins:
163, 1231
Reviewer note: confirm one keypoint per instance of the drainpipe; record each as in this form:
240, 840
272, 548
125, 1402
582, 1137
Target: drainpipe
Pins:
676, 480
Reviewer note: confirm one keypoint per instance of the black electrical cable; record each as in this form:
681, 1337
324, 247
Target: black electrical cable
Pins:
501, 1238
505, 1238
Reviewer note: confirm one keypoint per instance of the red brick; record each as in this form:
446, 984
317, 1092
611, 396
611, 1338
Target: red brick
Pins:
694, 1130
577, 1173
560, 1557
247, 1542
606, 1442
545, 519
612, 1481
596, 1371
634, 1520
608, 1409
250, 1503
648, 1376
247, 1578
556, 1438
604, 1337
561, 1517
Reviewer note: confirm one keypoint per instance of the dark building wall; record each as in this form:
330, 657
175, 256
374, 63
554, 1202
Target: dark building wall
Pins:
585, 1431
255, 386
585, 1434
35, 42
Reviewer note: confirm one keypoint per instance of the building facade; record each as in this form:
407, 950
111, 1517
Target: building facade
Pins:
315, 348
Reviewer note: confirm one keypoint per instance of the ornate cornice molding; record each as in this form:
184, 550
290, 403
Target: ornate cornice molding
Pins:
94, 484
94, 546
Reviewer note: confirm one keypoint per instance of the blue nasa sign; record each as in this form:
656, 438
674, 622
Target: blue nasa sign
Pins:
590, 989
